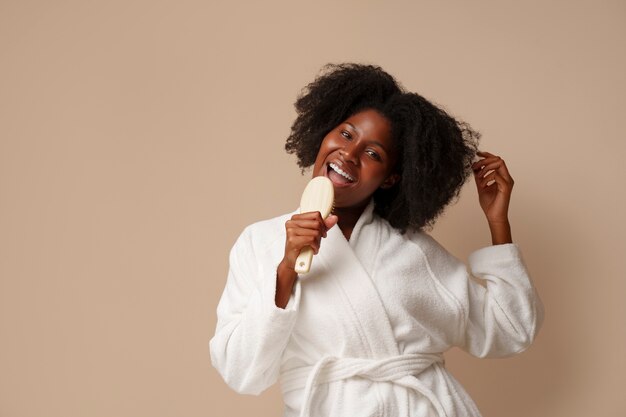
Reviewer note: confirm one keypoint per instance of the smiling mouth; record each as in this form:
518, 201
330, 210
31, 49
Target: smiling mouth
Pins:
338, 176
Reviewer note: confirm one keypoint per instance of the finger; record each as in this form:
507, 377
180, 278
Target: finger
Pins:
487, 179
487, 169
481, 156
488, 155
502, 183
478, 165
305, 224
294, 244
320, 220
310, 215
487, 176
297, 243
308, 232
309, 220
504, 171
331, 221
496, 178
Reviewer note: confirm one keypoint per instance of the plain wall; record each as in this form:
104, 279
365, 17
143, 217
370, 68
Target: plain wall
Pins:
138, 138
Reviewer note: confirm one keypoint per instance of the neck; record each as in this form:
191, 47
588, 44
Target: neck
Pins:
347, 217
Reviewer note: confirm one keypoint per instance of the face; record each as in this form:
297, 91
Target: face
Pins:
358, 157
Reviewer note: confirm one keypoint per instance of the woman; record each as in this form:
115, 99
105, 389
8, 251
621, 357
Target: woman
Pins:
362, 334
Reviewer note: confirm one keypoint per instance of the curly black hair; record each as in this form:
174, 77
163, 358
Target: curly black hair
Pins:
435, 149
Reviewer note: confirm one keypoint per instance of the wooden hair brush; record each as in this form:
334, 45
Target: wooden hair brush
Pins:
318, 195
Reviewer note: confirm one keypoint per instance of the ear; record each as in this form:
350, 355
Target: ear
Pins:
390, 181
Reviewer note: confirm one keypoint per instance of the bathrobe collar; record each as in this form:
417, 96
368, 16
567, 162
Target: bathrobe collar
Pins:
338, 260
367, 217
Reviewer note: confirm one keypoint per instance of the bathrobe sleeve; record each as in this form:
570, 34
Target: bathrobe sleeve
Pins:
251, 332
502, 317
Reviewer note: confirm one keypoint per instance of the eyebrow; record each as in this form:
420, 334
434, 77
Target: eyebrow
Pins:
372, 141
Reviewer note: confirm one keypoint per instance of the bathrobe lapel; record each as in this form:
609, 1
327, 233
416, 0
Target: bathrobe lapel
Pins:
339, 261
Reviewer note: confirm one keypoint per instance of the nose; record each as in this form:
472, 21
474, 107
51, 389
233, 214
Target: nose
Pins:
350, 153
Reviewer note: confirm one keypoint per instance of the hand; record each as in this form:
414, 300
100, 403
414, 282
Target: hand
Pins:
494, 200
305, 229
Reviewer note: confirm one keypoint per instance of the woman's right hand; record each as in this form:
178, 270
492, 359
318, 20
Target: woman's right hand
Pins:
305, 229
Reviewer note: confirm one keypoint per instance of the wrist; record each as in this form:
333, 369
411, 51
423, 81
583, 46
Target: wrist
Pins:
285, 280
498, 221
500, 232
285, 274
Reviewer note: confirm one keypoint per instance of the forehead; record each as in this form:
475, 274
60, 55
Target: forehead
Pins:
371, 125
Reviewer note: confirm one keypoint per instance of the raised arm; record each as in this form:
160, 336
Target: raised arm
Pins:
491, 170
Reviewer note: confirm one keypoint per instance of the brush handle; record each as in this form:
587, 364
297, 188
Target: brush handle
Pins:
303, 262
319, 195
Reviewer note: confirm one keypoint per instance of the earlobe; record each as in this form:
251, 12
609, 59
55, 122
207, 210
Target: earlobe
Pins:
390, 181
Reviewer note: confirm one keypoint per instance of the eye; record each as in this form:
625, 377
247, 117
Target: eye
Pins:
346, 134
373, 154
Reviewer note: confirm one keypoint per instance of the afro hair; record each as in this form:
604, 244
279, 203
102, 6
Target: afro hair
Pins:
435, 149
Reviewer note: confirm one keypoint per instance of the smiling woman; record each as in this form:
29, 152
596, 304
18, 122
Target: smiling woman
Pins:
433, 150
364, 332
359, 157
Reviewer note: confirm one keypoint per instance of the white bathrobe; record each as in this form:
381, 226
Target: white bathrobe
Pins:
364, 331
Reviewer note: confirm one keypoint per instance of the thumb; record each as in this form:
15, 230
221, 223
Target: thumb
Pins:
331, 221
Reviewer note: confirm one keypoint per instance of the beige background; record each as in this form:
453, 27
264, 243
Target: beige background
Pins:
138, 138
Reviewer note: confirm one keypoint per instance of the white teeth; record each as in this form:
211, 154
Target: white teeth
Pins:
339, 171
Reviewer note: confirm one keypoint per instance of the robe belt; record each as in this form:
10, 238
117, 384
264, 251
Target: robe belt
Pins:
400, 370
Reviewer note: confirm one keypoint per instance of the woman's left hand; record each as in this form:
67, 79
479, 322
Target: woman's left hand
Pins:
494, 184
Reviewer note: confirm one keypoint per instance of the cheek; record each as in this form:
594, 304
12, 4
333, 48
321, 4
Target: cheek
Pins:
328, 146
376, 170
322, 154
